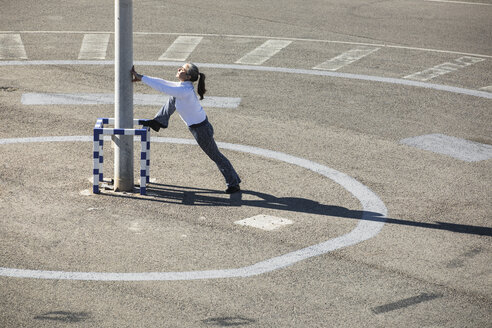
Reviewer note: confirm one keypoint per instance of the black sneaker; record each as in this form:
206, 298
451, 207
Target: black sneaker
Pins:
232, 189
154, 125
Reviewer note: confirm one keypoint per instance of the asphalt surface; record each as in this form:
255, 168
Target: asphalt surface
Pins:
324, 151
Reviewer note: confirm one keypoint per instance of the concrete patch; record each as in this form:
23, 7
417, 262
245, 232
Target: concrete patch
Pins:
264, 222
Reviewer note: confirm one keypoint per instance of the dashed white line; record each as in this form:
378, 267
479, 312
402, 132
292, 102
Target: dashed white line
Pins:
381, 45
347, 58
181, 48
264, 52
11, 47
94, 46
444, 68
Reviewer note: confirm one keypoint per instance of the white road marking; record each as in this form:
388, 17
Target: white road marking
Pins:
461, 149
264, 222
264, 37
108, 99
94, 46
347, 58
488, 88
11, 47
264, 52
461, 2
181, 48
370, 78
444, 68
372, 221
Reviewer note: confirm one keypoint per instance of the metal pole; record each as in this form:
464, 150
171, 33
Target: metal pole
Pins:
123, 109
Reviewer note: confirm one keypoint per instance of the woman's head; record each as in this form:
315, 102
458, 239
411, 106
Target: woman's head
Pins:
190, 72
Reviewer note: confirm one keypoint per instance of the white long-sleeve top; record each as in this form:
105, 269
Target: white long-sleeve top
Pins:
187, 103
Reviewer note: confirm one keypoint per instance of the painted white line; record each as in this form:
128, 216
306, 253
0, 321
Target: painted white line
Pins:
370, 78
347, 58
181, 48
108, 99
11, 47
444, 68
381, 45
458, 148
488, 88
371, 223
461, 2
264, 52
264, 222
94, 46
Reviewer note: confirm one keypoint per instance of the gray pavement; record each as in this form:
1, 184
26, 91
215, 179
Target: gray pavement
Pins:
383, 233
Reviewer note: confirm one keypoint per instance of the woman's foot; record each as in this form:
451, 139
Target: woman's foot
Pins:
232, 189
153, 124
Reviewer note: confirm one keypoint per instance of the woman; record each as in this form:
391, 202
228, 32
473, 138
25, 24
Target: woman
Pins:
184, 100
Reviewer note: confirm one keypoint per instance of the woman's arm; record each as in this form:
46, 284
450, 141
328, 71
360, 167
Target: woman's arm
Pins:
171, 88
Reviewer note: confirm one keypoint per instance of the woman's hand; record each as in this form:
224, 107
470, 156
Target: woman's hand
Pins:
136, 77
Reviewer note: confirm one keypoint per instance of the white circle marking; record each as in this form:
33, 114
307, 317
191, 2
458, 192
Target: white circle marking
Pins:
370, 78
372, 221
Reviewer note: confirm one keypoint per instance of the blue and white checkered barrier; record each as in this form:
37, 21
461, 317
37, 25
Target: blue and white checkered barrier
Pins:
144, 134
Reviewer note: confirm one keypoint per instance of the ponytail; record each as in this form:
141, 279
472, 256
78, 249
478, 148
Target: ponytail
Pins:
196, 75
201, 85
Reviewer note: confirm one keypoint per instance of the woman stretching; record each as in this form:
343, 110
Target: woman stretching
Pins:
184, 100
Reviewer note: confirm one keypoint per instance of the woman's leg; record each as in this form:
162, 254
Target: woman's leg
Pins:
204, 136
163, 115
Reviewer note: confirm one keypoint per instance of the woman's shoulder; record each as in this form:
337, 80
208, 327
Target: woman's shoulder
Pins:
186, 84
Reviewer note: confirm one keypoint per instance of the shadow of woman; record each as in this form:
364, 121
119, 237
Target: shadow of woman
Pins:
190, 196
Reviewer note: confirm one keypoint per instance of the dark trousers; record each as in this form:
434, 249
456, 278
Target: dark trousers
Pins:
204, 136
